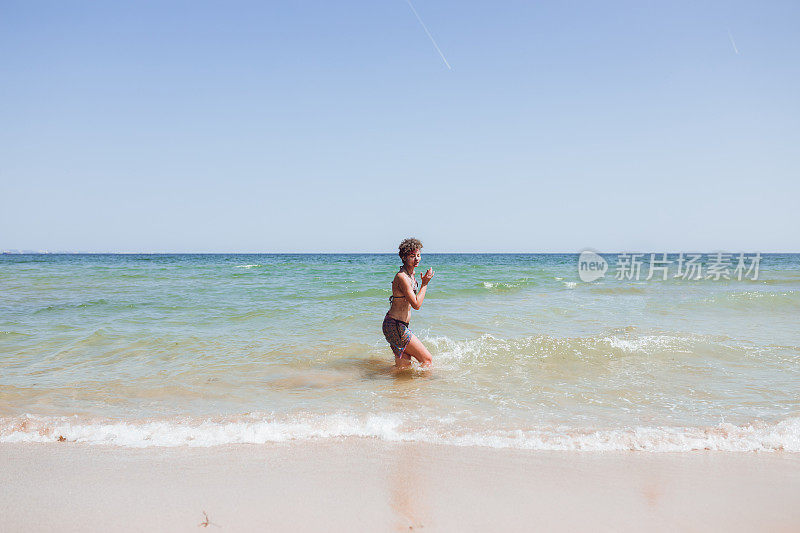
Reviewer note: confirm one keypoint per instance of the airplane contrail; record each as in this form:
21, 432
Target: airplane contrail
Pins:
431, 36
733, 43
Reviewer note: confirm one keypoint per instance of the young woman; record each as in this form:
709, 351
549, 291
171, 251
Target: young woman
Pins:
405, 344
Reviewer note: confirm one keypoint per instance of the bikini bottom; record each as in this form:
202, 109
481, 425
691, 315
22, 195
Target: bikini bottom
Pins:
397, 335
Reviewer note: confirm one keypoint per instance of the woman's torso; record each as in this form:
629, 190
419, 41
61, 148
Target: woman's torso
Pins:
400, 308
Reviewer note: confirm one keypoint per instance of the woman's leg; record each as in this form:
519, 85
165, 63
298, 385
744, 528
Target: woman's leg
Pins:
402, 362
401, 357
418, 351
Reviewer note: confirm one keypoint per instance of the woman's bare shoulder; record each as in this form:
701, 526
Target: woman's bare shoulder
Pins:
402, 277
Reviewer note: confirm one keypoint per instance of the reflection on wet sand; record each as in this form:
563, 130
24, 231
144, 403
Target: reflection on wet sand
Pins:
407, 489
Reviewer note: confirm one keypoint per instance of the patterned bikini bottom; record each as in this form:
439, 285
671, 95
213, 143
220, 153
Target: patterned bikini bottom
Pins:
397, 335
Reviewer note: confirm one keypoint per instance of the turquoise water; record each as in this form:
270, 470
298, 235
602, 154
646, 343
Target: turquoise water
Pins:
141, 350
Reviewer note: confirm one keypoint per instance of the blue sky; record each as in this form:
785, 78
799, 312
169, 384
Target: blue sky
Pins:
336, 127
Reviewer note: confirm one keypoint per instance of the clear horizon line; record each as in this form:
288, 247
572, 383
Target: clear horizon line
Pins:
11, 252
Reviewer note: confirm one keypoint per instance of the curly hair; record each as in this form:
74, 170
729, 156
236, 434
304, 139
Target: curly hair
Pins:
409, 246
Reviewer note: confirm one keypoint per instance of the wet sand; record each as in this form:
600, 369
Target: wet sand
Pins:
369, 485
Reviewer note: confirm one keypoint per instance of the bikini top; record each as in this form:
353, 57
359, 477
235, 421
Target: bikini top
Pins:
413, 288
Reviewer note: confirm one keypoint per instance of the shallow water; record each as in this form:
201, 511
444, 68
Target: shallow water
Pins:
210, 349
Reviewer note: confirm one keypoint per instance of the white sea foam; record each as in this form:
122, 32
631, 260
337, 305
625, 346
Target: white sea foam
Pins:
758, 436
448, 350
188, 432
487, 346
248, 266
506, 285
646, 343
570, 284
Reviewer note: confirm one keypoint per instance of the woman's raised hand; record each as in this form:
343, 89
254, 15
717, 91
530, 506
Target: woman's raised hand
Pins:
426, 277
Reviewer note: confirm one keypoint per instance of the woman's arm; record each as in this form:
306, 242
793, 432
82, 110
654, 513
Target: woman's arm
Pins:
415, 299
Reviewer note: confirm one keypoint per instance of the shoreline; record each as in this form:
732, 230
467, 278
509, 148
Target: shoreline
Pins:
371, 485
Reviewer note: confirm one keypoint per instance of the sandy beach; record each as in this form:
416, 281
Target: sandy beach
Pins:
400, 266
369, 485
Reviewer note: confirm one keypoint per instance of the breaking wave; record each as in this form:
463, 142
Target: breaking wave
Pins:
261, 429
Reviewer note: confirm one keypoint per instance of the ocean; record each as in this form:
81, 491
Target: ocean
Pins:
206, 350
